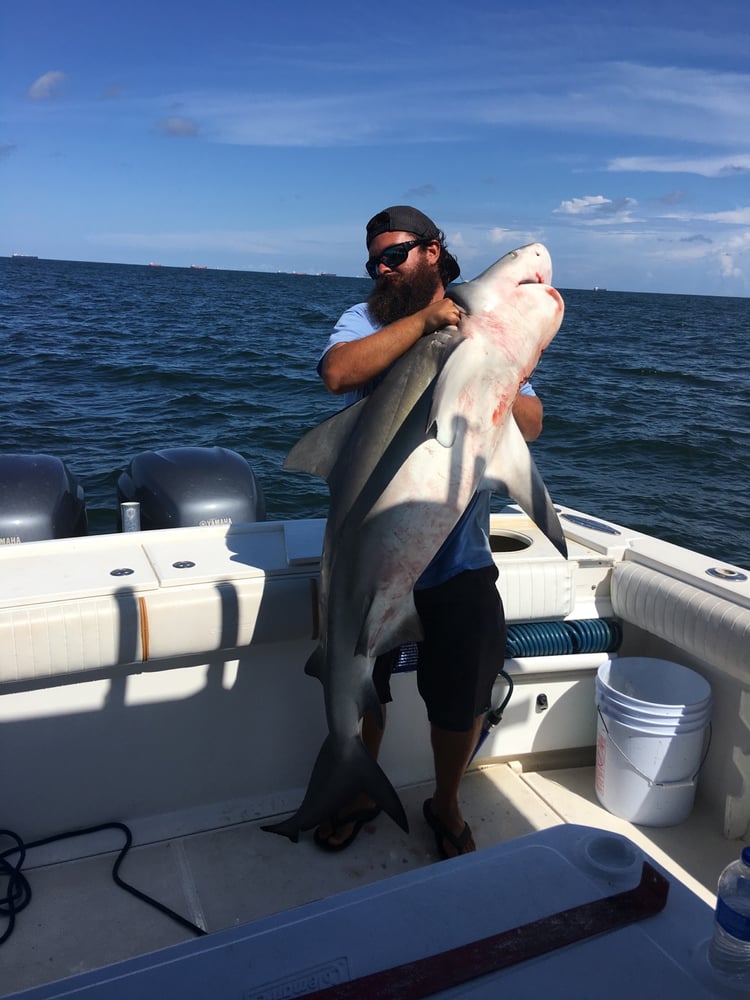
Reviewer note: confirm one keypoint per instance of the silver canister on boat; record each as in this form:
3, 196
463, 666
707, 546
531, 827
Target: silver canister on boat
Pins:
130, 514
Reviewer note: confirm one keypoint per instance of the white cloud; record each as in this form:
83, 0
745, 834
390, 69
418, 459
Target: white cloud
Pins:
596, 208
728, 267
734, 217
47, 85
708, 166
477, 246
579, 206
600, 98
737, 216
617, 98
499, 235
317, 120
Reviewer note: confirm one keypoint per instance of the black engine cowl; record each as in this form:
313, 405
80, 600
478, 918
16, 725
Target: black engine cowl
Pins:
185, 487
40, 498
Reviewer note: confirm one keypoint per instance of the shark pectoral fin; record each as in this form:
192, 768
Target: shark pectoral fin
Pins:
316, 452
399, 624
316, 663
512, 469
369, 702
445, 413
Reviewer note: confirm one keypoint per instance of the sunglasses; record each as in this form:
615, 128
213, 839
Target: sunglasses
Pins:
393, 256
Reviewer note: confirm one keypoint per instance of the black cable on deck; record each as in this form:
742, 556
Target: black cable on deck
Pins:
16, 894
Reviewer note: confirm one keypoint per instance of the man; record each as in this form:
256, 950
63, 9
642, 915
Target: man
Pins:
456, 597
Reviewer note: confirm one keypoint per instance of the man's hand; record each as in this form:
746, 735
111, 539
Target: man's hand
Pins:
349, 365
438, 314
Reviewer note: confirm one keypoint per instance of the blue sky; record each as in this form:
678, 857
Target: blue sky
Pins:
263, 136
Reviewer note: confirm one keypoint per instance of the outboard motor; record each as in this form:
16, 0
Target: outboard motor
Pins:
184, 487
40, 498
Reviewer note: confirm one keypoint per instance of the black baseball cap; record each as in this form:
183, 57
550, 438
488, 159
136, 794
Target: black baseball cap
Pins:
406, 219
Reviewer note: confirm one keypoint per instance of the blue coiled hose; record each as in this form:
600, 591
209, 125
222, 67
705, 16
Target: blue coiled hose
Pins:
538, 639
591, 635
595, 635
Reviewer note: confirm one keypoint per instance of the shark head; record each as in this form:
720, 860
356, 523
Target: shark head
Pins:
516, 288
529, 265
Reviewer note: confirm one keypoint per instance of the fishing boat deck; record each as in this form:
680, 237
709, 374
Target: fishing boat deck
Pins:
79, 919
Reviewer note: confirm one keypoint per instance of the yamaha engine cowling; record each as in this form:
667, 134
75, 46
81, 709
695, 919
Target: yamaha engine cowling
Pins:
40, 498
185, 487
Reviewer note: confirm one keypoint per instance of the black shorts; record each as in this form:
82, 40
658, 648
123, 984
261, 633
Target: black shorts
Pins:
462, 652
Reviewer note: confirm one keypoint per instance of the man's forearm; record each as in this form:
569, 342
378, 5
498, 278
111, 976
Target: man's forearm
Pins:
528, 413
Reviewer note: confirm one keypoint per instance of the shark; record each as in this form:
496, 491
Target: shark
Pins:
402, 465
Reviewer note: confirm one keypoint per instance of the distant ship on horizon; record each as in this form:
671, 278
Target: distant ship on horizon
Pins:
24, 256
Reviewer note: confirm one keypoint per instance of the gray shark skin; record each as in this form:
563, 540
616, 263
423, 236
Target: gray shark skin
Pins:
402, 465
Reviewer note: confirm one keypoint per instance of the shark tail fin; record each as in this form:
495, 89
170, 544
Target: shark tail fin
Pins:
382, 792
341, 771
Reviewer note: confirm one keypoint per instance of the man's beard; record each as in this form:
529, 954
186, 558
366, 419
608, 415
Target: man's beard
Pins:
395, 297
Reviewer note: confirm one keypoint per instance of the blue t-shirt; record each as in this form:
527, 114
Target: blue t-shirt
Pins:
468, 545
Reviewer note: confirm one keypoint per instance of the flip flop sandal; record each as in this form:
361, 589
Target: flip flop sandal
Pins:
443, 834
358, 817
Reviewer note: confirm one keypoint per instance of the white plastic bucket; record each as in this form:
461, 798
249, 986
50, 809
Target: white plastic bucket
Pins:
652, 734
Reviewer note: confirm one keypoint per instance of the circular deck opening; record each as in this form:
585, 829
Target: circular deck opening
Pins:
509, 541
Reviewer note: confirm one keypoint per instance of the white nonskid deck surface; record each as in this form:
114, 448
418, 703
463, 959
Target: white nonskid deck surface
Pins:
79, 919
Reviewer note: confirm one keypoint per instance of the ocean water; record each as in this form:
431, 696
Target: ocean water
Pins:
647, 397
